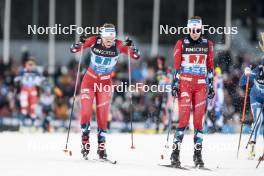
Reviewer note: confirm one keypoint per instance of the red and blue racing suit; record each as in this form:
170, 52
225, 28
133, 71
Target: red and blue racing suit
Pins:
192, 59
102, 65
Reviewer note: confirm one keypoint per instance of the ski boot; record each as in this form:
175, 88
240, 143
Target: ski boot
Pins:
251, 151
85, 144
175, 156
197, 156
101, 151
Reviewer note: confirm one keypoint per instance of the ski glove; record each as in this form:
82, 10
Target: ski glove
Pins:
75, 47
175, 83
247, 71
128, 42
82, 39
136, 53
211, 92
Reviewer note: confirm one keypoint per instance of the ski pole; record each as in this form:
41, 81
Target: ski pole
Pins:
72, 106
130, 99
254, 127
243, 116
169, 129
169, 126
260, 159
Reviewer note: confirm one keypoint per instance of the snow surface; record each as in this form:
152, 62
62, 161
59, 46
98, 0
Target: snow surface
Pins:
39, 154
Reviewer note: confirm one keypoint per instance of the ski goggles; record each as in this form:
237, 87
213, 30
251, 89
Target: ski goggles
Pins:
109, 33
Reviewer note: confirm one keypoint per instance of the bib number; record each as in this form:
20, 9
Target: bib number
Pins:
102, 60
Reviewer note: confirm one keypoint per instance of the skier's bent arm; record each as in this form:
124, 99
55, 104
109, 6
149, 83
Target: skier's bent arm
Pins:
177, 67
210, 62
133, 51
210, 57
178, 55
210, 69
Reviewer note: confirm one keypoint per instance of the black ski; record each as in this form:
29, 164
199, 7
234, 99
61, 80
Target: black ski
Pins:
105, 160
85, 158
89, 160
198, 167
100, 160
173, 166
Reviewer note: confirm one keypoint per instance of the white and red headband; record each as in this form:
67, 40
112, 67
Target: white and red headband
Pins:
108, 32
195, 23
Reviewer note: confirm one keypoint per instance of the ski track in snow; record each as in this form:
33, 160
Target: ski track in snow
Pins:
26, 154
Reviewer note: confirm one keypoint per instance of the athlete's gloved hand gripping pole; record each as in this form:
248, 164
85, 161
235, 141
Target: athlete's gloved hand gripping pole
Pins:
210, 77
74, 48
136, 54
175, 83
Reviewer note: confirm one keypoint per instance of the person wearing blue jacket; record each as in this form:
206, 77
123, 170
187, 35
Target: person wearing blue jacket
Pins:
256, 76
